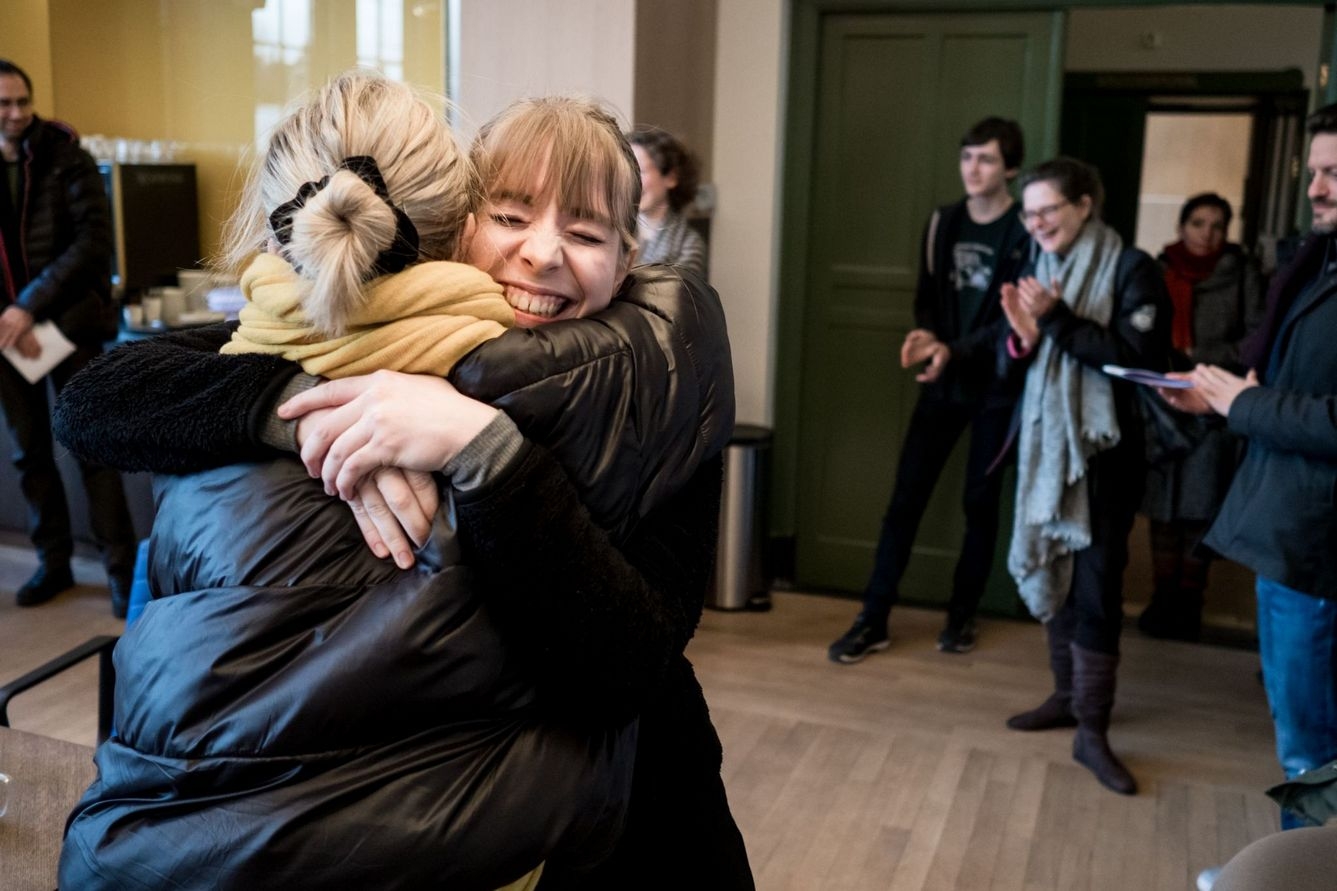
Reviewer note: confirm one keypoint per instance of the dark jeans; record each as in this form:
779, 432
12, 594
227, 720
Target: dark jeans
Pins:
28, 417
934, 430
1093, 613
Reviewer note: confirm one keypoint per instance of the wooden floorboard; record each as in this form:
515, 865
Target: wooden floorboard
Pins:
898, 772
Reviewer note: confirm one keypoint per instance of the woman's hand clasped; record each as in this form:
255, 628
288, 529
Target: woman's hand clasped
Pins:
394, 510
375, 441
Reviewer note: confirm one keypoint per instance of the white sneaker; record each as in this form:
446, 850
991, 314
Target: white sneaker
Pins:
1207, 878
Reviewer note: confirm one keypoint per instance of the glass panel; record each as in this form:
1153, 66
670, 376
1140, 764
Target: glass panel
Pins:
201, 81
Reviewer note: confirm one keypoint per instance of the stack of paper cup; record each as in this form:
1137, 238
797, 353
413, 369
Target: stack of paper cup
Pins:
173, 304
196, 284
152, 304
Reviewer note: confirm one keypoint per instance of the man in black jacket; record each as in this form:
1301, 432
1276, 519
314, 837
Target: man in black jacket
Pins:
970, 249
1279, 517
55, 253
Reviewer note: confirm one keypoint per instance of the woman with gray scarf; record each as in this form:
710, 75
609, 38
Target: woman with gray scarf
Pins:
1086, 301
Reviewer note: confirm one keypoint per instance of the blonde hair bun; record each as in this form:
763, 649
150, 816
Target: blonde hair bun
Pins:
338, 232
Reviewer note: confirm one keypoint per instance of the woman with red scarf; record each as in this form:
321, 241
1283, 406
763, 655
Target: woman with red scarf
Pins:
1217, 297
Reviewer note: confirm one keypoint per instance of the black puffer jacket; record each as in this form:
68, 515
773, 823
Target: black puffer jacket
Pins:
66, 235
308, 715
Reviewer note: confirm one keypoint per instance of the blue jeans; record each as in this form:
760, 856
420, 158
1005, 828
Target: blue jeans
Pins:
1297, 638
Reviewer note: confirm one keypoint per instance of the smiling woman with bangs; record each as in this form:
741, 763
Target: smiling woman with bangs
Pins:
548, 232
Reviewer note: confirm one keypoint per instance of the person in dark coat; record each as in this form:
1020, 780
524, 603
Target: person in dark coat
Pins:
1278, 518
970, 248
1087, 301
55, 261
595, 589
1215, 288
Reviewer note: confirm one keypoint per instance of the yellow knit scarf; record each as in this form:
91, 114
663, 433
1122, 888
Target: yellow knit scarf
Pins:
421, 320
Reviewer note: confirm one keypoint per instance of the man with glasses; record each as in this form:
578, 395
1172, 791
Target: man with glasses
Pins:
970, 248
55, 262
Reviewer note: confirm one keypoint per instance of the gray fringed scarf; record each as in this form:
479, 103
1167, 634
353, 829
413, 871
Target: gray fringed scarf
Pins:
1067, 416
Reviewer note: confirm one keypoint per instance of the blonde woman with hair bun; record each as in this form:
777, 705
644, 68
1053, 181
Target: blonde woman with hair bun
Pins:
578, 455
361, 199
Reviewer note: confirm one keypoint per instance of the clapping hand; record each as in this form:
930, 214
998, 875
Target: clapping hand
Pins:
1214, 390
1025, 303
922, 345
1219, 387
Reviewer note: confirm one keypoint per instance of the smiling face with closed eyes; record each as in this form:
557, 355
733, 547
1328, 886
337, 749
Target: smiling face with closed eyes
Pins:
553, 262
557, 228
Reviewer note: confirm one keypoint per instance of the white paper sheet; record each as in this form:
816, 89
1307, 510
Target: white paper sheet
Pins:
55, 348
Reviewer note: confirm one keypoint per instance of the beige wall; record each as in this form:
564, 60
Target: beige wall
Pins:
515, 48
1200, 37
25, 41
748, 147
675, 71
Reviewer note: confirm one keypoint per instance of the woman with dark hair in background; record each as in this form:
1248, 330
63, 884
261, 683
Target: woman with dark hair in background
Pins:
1084, 302
1217, 295
668, 184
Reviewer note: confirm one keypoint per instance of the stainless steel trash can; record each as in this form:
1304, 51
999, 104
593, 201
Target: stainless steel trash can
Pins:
739, 571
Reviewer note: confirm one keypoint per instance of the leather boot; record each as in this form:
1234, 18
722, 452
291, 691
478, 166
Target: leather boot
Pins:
1092, 699
1056, 711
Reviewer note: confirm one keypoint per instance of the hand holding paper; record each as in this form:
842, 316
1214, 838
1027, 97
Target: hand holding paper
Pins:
53, 348
1148, 378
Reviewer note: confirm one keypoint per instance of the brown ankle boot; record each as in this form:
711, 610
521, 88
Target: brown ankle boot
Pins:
1092, 699
1056, 711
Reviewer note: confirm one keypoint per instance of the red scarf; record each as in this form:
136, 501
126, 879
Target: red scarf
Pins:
1183, 272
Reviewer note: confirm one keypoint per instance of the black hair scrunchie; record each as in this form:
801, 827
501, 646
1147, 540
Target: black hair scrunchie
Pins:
403, 250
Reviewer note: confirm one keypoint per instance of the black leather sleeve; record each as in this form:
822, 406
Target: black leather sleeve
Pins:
603, 624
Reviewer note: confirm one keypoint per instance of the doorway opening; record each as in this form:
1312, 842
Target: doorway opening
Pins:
1184, 154
1158, 138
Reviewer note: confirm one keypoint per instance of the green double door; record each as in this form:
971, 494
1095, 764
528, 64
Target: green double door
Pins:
894, 93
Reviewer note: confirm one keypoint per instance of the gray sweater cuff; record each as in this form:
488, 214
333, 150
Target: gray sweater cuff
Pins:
486, 455
276, 432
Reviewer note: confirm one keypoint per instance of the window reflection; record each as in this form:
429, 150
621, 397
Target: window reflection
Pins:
380, 36
280, 38
297, 44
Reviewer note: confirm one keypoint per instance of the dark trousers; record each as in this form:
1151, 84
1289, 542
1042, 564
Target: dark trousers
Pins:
28, 418
1093, 613
934, 430
1180, 571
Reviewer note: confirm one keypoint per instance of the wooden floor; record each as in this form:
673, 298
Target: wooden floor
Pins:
897, 772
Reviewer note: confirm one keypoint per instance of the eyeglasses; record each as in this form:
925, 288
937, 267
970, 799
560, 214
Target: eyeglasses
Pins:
1040, 214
